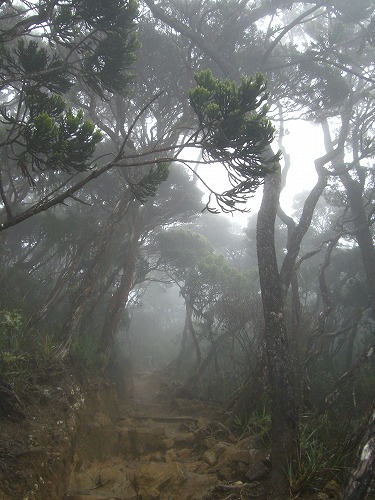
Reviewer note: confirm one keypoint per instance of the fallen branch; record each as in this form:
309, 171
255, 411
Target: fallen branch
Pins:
160, 418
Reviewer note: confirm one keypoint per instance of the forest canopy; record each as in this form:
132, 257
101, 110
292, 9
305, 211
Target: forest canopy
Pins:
117, 119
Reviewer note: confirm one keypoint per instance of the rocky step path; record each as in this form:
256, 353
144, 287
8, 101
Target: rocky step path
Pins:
168, 448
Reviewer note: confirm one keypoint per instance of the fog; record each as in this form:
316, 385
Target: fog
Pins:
187, 191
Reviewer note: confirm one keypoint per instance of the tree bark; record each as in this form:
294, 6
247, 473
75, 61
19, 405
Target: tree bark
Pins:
192, 381
363, 472
280, 373
85, 290
363, 233
120, 297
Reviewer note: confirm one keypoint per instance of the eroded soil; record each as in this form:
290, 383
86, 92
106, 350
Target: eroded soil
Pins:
170, 448
76, 443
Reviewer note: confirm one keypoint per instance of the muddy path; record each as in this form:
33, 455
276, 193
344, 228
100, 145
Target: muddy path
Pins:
173, 448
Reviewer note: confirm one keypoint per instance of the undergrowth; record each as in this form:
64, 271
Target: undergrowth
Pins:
28, 357
85, 352
321, 457
256, 422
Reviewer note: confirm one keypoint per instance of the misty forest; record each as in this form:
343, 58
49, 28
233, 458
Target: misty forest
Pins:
187, 263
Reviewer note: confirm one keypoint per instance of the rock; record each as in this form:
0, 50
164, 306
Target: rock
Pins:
156, 476
168, 443
209, 443
145, 439
151, 494
126, 422
100, 439
197, 487
250, 443
234, 454
185, 453
226, 473
257, 471
140, 440
193, 466
184, 438
124, 441
332, 489
210, 457
235, 460
157, 456
220, 448
202, 468
171, 456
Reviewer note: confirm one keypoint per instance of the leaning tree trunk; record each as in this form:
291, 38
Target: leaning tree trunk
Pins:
120, 296
281, 378
363, 234
363, 472
88, 285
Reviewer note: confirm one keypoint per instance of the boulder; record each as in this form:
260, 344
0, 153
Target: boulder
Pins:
157, 476
171, 456
332, 489
257, 471
185, 453
145, 439
234, 455
168, 443
184, 438
234, 461
210, 457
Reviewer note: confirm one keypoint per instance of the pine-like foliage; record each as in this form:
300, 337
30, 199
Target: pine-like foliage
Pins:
235, 131
73, 43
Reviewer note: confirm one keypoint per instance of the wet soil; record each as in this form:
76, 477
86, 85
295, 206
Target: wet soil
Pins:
170, 447
78, 443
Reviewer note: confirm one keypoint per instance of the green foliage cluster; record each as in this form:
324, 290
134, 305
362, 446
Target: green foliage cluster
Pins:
319, 458
258, 422
182, 249
85, 352
27, 357
235, 130
148, 185
92, 42
11, 331
23, 356
102, 32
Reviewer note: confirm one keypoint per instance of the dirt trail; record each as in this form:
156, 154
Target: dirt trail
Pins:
171, 448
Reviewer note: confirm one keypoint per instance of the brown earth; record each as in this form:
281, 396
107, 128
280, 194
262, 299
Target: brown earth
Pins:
170, 448
76, 443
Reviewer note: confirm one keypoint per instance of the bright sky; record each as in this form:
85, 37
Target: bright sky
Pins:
304, 143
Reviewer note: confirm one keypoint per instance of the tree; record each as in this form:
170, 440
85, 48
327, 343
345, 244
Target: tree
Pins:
235, 132
44, 141
306, 67
53, 144
218, 304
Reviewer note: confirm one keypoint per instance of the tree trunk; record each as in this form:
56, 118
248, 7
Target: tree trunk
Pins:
363, 472
183, 348
192, 381
87, 286
363, 234
120, 297
194, 335
280, 373
60, 285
